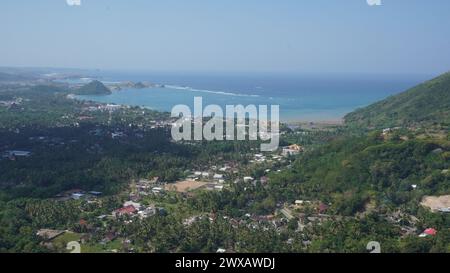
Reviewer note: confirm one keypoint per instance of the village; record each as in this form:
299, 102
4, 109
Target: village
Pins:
95, 128
147, 197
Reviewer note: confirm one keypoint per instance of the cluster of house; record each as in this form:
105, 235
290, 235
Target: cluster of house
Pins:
292, 150
107, 107
286, 151
115, 134
209, 180
208, 176
159, 124
13, 154
248, 220
249, 179
308, 213
317, 206
387, 131
11, 103
77, 194
321, 210
264, 222
217, 176
279, 220
214, 171
260, 158
123, 134
90, 107
94, 107
145, 187
131, 208
213, 186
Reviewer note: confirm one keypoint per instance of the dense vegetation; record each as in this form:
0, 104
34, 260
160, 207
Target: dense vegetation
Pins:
354, 172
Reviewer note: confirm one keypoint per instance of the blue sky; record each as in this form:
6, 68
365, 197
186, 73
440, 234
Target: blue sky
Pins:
285, 36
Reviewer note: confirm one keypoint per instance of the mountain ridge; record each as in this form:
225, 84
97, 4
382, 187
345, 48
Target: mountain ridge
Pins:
426, 103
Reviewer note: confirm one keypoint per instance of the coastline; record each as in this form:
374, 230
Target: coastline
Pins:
301, 122
163, 99
315, 105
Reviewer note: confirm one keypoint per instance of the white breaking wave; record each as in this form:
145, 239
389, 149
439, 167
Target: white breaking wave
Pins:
209, 91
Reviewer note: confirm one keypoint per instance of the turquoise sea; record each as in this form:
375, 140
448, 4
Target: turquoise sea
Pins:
300, 97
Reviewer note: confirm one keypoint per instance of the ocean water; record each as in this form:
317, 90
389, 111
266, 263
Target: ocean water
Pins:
300, 97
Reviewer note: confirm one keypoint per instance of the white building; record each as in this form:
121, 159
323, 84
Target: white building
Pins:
221, 250
218, 176
292, 150
248, 179
134, 204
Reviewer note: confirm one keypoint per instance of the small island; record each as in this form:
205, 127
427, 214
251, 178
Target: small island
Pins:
93, 88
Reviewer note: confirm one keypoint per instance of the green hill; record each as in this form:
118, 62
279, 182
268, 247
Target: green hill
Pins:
425, 104
349, 172
93, 88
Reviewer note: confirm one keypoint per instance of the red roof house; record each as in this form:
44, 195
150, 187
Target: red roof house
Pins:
430, 231
322, 208
128, 210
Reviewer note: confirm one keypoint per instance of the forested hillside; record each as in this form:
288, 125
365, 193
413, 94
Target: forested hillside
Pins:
426, 104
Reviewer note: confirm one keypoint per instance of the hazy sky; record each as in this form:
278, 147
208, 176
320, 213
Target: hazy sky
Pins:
401, 36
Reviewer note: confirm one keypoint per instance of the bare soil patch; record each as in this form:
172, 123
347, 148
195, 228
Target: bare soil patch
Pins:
436, 202
185, 186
